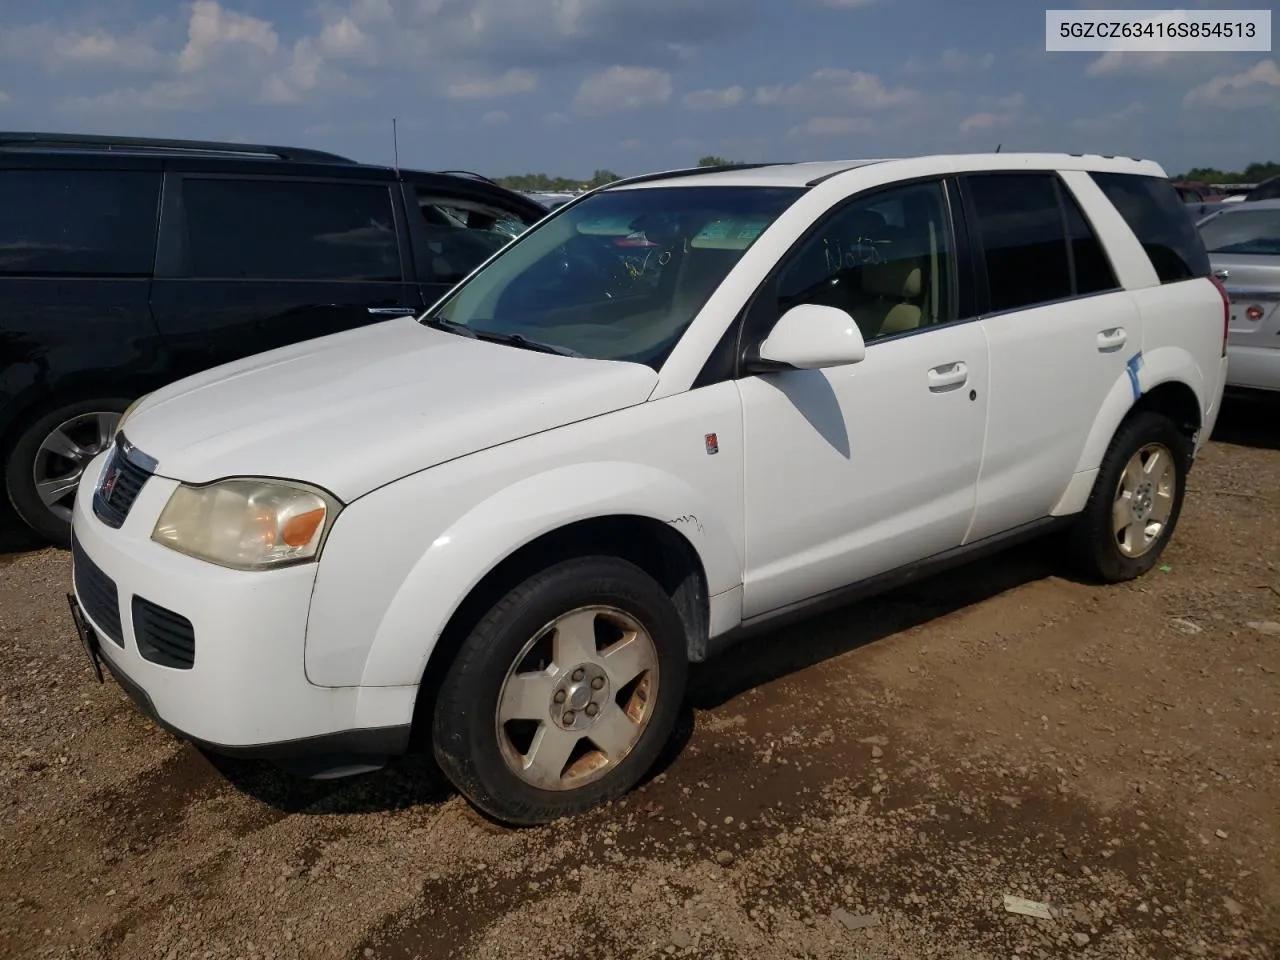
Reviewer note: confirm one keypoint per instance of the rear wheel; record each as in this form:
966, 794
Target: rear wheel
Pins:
564, 695
47, 460
1136, 500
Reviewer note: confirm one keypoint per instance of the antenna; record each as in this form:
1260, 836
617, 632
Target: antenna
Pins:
395, 147
998, 146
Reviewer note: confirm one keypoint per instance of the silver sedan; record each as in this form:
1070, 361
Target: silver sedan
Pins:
1243, 239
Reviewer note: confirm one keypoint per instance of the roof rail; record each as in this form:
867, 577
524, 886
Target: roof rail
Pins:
687, 172
469, 173
22, 141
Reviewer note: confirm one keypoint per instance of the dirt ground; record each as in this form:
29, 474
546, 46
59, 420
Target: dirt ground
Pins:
868, 784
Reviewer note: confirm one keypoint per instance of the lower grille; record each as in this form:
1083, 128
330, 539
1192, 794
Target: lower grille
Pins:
97, 594
162, 636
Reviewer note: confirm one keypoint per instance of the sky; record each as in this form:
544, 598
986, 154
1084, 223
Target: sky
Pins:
566, 87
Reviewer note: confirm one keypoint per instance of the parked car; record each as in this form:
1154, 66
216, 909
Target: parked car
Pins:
1243, 241
1197, 191
507, 528
126, 264
1266, 190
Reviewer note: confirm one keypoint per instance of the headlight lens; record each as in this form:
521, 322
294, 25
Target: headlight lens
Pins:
128, 411
247, 524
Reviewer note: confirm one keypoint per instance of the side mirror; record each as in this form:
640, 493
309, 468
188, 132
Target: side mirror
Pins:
811, 337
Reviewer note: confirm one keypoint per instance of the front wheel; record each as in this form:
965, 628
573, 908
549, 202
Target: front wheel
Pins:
564, 694
1136, 500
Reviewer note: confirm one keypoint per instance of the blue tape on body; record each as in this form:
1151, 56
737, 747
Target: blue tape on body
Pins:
1132, 368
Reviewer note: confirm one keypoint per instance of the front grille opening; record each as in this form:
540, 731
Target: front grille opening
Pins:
121, 483
162, 636
97, 594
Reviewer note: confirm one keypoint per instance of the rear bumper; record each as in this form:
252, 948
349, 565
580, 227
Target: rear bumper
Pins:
1256, 368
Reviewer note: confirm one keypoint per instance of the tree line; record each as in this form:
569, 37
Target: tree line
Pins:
1253, 173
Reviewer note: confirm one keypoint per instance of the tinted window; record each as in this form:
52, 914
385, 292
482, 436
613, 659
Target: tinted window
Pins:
78, 222
283, 230
621, 274
1243, 232
891, 277
1020, 227
1151, 208
1092, 269
461, 234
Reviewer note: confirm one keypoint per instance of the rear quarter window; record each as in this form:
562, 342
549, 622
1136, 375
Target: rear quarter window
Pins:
1158, 218
78, 223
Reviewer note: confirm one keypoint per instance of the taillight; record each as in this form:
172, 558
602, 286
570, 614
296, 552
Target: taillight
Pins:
1226, 311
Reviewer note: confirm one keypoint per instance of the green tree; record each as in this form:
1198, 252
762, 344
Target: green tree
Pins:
602, 177
714, 161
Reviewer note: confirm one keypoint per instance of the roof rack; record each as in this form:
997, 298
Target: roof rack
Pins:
468, 173
20, 142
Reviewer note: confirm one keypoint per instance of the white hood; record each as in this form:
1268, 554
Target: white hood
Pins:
356, 410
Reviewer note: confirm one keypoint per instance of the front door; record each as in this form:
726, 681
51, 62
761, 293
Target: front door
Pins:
857, 470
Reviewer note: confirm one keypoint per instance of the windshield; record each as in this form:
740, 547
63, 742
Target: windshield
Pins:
1243, 232
620, 275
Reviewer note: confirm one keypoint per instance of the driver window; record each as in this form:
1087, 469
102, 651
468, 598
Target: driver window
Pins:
886, 260
462, 234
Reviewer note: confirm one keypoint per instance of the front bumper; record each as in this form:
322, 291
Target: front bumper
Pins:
245, 691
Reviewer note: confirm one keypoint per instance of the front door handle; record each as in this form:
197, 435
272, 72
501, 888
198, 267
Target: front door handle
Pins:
948, 376
1112, 339
393, 311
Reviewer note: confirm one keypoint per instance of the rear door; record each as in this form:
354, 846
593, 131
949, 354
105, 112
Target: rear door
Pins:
250, 263
1060, 331
455, 225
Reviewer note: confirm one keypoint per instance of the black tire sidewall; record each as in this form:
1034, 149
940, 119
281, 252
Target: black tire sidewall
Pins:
20, 457
1096, 548
463, 730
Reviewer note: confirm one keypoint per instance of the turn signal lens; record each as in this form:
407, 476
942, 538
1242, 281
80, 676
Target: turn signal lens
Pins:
1253, 312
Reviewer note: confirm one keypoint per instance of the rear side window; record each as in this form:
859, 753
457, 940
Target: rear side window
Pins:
289, 230
1151, 208
1267, 190
1092, 269
78, 223
1023, 238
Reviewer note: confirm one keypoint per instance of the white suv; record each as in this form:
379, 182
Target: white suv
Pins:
676, 409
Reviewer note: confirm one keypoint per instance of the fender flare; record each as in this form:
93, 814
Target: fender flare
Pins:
464, 553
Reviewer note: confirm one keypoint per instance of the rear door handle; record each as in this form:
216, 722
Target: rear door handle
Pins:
1112, 339
948, 376
392, 311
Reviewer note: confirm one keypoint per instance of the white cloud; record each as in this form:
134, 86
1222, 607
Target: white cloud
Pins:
495, 117
985, 121
4, 97
1115, 62
301, 76
623, 88
343, 39
714, 99
1111, 122
830, 127
213, 29
853, 88
556, 120
102, 49
951, 61
1258, 86
511, 82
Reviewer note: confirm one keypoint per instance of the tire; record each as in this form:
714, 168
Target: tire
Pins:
595, 600
1105, 548
86, 425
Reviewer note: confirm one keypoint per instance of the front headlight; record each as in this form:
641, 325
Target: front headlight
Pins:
247, 524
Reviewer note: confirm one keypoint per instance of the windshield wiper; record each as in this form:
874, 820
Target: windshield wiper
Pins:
524, 343
448, 326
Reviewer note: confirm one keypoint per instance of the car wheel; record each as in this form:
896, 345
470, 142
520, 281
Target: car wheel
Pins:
45, 463
564, 694
1136, 500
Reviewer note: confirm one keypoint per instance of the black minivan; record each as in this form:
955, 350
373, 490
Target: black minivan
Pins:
126, 264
